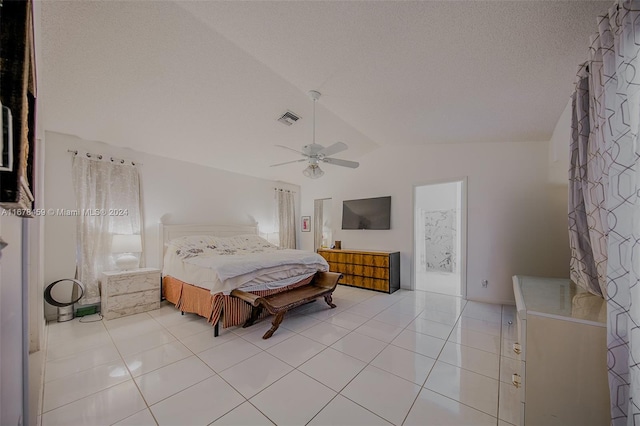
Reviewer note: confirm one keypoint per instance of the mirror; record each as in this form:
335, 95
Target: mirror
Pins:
322, 231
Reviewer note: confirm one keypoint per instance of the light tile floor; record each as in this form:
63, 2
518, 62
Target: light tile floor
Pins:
410, 358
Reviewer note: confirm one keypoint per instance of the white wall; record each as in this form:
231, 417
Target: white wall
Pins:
559, 155
513, 214
434, 197
173, 191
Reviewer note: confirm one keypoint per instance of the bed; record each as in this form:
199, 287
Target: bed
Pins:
202, 264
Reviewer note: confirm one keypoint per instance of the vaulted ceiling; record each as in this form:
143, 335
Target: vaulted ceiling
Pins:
205, 81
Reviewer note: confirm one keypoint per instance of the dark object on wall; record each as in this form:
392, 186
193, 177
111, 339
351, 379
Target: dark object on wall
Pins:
18, 93
368, 213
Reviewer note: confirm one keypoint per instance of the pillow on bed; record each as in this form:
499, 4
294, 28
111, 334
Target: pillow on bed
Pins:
249, 242
192, 245
195, 245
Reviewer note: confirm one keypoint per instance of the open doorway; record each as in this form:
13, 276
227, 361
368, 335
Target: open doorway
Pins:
439, 251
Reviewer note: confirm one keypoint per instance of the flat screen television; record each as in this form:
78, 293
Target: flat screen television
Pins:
367, 213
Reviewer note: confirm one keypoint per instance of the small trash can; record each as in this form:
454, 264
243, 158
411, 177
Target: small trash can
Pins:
65, 308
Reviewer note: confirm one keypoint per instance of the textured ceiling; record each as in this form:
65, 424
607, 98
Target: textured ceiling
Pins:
204, 81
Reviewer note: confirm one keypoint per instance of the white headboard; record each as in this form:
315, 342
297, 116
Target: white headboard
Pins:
169, 232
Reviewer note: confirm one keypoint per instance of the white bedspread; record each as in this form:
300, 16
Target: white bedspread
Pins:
251, 271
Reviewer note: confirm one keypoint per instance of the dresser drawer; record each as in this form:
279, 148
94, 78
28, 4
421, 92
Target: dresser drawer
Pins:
366, 282
129, 304
520, 347
138, 309
133, 299
131, 283
378, 261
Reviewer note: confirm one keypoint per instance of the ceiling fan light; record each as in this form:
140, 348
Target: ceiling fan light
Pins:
313, 171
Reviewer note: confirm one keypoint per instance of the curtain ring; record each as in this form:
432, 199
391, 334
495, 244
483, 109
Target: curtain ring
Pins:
121, 161
111, 159
88, 155
100, 157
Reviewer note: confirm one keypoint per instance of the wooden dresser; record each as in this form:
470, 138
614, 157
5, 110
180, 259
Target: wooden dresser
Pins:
373, 270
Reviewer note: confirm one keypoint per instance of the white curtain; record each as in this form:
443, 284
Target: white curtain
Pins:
318, 223
604, 195
285, 205
108, 201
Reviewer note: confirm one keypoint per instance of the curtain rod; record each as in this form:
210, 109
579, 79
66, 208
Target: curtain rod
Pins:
284, 190
100, 157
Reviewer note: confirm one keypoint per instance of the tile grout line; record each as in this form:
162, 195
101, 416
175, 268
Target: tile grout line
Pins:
294, 368
131, 375
312, 378
431, 369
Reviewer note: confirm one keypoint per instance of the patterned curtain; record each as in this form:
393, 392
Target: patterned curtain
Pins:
604, 195
286, 218
318, 223
587, 187
108, 199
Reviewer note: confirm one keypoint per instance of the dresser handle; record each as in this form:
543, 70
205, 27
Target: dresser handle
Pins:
516, 380
516, 348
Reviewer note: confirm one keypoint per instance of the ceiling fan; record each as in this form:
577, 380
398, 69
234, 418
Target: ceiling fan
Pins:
315, 153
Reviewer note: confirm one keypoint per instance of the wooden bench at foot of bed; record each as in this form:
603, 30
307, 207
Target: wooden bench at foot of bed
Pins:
322, 285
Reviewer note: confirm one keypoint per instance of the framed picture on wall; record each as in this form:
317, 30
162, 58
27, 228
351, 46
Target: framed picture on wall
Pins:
306, 223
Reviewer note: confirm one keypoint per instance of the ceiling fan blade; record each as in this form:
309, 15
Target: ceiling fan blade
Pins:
291, 149
333, 149
343, 163
288, 162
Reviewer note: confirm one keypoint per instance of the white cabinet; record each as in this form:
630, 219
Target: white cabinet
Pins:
563, 347
129, 292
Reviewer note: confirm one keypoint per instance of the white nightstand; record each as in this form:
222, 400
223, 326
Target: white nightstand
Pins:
129, 292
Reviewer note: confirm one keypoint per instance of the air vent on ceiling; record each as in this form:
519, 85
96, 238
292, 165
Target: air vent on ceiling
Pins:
288, 118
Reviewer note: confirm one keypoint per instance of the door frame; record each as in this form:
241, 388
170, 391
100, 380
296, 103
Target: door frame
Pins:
463, 230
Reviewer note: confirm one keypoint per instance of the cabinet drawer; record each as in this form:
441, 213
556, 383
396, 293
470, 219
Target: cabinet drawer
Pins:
522, 337
329, 257
523, 380
132, 283
366, 282
339, 267
378, 261
367, 271
133, 299
124, 311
